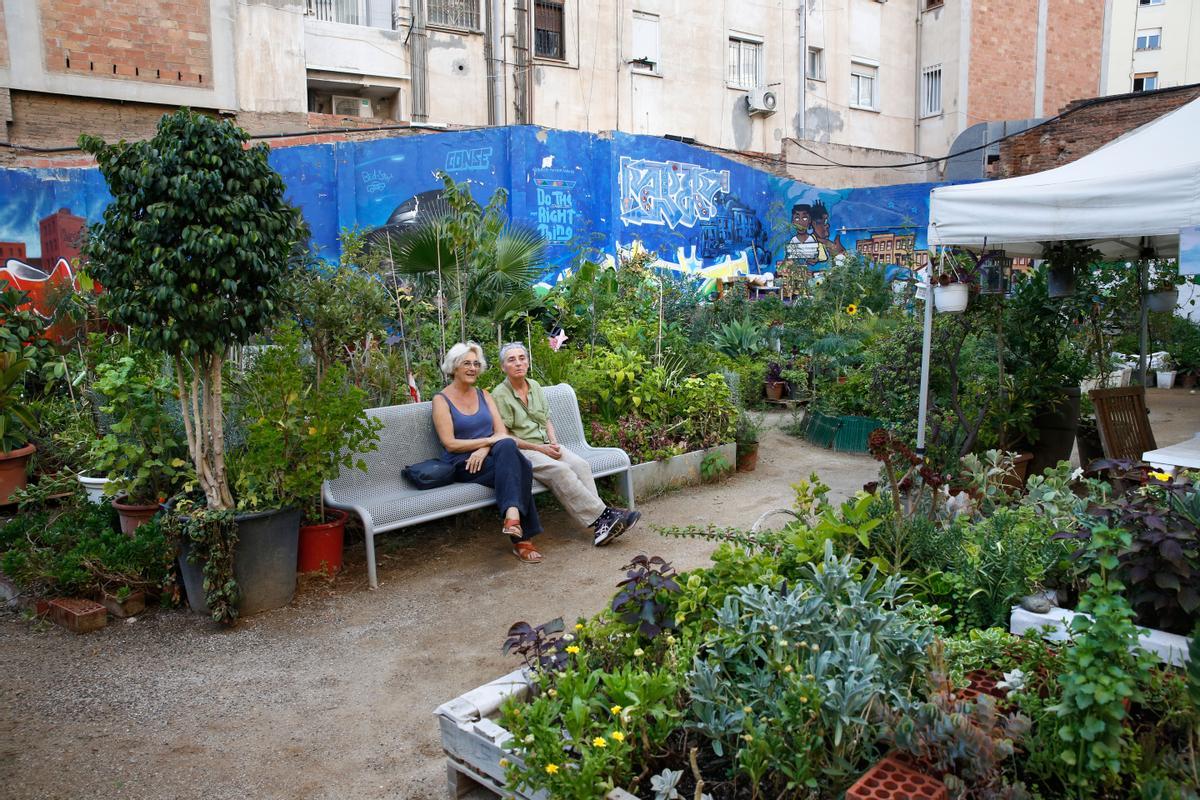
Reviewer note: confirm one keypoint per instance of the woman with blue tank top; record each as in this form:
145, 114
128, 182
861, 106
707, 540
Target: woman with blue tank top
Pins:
476, 442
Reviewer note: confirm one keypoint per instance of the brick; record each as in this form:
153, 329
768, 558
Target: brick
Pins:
78, 615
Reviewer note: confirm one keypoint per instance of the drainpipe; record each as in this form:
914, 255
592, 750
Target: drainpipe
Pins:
522, 74
494, 45
419, 56
803, 12
917, 85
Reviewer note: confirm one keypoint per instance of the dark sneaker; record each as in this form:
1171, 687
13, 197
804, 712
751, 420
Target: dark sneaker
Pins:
610, 525
631, 519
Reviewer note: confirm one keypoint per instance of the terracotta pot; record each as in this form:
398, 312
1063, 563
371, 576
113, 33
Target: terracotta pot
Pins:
12, 471
133, 516
775, 390
747, 457
320, 548
1016, 481
1188, 380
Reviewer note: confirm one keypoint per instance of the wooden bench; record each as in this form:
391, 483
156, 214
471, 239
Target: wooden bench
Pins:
385, 501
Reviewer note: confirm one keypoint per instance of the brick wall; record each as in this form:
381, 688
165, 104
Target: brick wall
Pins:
1074, 41
144, 40
1085, 126
1003, 59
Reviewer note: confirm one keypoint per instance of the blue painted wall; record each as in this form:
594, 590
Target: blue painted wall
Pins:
701, 213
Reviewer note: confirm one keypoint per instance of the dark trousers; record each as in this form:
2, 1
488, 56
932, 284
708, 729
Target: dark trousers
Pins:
510, 474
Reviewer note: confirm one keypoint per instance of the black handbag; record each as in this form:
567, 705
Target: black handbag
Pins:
429, 474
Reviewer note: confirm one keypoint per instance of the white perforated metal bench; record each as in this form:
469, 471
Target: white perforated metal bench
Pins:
385, 501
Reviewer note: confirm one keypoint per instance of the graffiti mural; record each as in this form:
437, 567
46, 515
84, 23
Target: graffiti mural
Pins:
669, 192
702, 214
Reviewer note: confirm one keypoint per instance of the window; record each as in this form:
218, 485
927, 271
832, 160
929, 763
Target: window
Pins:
863, 81
372, 13
548, 29
745, 63
1149, 39
455, 13
645, 42
1150, 2
1145, 81
931, 91
933, 4
816, 64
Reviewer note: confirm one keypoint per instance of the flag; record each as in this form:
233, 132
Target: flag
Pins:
413, 391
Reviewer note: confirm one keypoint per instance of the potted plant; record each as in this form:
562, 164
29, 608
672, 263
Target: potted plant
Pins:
300, 431
16, 423
951, 285
1065, 262
1166, 372
192, 252
1163, 294
797, 380
746, 435
775, 384
142, 453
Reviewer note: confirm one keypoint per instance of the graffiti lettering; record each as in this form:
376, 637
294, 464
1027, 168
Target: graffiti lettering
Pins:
669, 192
555, 204
375, 180
466, 160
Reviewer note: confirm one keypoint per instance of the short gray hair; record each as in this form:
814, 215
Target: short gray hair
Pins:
456, 355
513, 346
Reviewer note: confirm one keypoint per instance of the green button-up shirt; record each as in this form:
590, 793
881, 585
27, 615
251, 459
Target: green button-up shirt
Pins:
526, 422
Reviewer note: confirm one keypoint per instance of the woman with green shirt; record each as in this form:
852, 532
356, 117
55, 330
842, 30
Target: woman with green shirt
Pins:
522, 406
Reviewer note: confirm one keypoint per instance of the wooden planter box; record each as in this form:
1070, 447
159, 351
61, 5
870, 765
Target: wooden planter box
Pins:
134, 604
474, 743
1171, 648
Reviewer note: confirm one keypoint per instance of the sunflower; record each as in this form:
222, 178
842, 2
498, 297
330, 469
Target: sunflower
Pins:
852, 309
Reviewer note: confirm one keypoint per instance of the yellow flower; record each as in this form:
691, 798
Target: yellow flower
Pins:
553, 692
617, 736
504, 762
787, 667
578, 626
572, 649
747, 737
312, 431
639, 652
852, 309
599, 742
551, 769
615, 709
1161, 476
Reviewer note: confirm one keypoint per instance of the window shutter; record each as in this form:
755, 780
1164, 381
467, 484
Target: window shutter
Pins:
548, 28
645, 38
379, 14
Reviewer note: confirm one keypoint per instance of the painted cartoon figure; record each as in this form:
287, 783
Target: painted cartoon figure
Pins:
45, 291
820, 231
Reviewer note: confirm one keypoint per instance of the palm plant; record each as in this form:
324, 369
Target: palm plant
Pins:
16, 419
471, 260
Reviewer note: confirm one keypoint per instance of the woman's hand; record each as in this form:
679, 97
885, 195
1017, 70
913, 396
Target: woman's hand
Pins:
552, 450
475, 460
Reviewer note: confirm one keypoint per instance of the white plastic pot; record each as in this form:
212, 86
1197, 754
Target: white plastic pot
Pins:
952, 298
1166, 378
94, 487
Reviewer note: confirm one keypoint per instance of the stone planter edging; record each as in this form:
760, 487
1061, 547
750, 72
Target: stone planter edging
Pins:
1170, 648
681, 470
474, 742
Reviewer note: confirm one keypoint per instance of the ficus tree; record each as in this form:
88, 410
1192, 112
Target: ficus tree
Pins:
192, 252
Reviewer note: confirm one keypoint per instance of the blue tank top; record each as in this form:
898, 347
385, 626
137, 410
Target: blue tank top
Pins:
468, 426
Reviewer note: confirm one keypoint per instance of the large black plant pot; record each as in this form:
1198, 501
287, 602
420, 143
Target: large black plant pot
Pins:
1056, 426
264, 563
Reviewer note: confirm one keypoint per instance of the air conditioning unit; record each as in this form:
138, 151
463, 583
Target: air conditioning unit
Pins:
761, 101
344, 106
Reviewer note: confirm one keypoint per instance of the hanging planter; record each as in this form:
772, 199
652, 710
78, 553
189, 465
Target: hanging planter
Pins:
995, 272
1164, 301
1060, 281
951, 298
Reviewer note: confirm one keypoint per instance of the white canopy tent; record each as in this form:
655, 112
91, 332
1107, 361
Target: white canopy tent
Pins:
1127, 198
1143, 184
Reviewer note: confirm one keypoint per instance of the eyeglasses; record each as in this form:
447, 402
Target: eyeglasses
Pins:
474, 364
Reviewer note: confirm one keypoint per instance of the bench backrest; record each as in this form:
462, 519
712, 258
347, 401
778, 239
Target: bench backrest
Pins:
407, 436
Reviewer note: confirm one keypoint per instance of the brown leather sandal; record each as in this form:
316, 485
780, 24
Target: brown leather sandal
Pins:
526, 552
513, 530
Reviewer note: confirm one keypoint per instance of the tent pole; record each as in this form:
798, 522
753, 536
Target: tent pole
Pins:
926, 348
1144, 321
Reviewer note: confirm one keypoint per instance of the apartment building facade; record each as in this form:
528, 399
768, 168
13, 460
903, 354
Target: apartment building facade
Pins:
904, 75
1151, 44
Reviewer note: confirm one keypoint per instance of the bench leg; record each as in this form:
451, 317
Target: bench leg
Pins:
627, 479
369, 536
